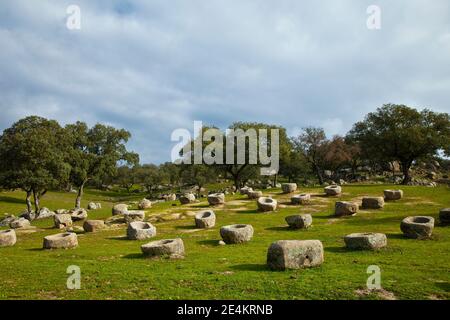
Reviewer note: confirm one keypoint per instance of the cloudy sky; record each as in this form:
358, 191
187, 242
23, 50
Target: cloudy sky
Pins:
156, 65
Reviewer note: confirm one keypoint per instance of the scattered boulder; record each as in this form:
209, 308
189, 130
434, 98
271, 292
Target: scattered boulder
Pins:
216, 199
365, 241
345, 208
245, 190
390, 195
205, 219
418, 227
99, 205
92, 206
288, 187
78, 214
174, 248
44, 213
254, 194
62, 220
299, 221
444, 216
93, 225
333, 190
7, 238
64, 240
295, 254
170, 197
120, 208
116, 220
134, 215
266, 204
303, 198
139, 230
187, 198
7, 220
20, 223
373, 202
236, 233
62, 211
144, 204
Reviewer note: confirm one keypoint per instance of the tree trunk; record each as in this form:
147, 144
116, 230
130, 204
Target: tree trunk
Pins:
28, 201
79, 196
318, 173
37, 207
406, 175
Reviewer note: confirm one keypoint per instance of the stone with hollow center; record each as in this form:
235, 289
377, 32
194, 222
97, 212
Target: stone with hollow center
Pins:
303, 198
187, 198
418, 227
245, 190
62, 220
139, 230
295, 254
120, 208
134, 215
215, 199
20, 223
365, 241
345, 208
64, 240
299, 221
373, 202
236, 233
444, 216
288, 187
390, 195
78, 214
173, 248
333, 190
205, 219
7, 238
254, 194
266, 204
93, 225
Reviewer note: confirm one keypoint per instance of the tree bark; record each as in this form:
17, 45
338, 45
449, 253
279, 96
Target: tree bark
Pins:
406, 176
318, 173
79, 196
37, 207
28, 201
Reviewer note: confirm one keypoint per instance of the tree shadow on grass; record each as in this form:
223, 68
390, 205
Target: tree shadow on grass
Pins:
341, 249
282, 228
399, 236
250, 267
35, 249
189, 227
443, 285
248, 211
120, 238
213, 243
11, 200
134, 256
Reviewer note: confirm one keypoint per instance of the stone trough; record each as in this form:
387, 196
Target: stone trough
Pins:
295, 254
65, 240
62, 221
173, 248
78, 214
345, 208
120, 208
390, 195
7, 238
266, 204
187, 198
444, 216
254, 194
205, 219
303, 198
418, 227
288, 187
236, 233
333, 190
365, 241
93, 225
372, 202
215, 199
139, 230
299, 221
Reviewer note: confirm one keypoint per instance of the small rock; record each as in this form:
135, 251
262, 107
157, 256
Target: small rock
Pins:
236, 233
294, 254
299, 221
365, 241
345, 208
7, 238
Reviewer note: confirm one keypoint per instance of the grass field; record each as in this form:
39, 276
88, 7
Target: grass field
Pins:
113, 267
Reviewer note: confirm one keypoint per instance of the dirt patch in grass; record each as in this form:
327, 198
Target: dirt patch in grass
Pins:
379, 293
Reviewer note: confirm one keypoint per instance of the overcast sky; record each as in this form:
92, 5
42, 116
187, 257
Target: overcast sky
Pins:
154, 66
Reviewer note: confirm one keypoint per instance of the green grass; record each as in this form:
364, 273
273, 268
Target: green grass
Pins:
113, 268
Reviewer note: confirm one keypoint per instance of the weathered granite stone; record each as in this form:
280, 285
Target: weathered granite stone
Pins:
303, 198
418, 227
254, 194
245, 190
236, 233
173, 248
288, 187
7, 238
295, 254
7, 220
373, 202
144, 204
345, 208
93, 225
120, 208
205, 219
134, 215
140, 230
216, 199
365, 241
266, 204
333, 190
393, 195
187, 198
20, 223
65, 240
299, 221
444, 216
78, 214
62, 220
92, 206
